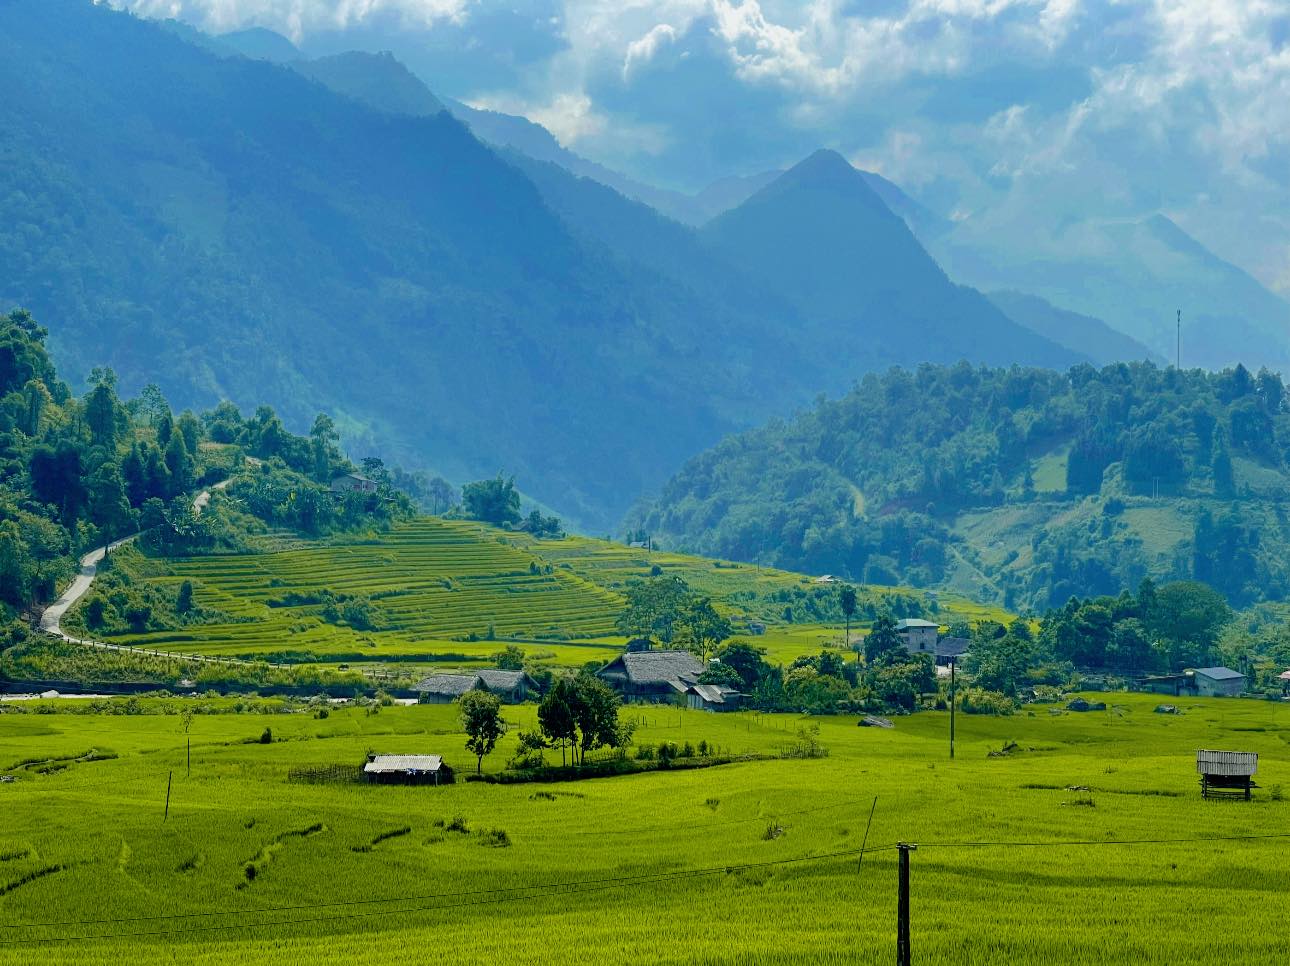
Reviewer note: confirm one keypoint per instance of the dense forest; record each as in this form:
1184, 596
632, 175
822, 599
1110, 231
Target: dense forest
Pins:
1026, 485
77, 473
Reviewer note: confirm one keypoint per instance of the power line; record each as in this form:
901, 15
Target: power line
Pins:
1199, 840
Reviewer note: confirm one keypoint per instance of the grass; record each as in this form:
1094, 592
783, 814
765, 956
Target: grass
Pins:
434, 584
98, 825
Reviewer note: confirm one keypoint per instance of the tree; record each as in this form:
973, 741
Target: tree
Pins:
556, 715
481, 717
596, 713
746, 661
883, 644
1221, 467
493, 501
184, 599
510, 659
441, 495
101, 415
706, 628
179, 464
152, 403
109, 507
654, 607
847, 598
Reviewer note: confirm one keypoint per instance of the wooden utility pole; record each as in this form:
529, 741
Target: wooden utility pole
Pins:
902, 910
169, 778
952, 666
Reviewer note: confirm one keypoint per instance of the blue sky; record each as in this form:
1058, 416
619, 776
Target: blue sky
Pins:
988, 110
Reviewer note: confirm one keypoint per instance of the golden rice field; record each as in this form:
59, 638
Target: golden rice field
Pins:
1087, 844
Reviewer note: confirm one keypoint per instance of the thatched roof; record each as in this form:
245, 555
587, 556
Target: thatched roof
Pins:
655, 667
454, 685
496, 680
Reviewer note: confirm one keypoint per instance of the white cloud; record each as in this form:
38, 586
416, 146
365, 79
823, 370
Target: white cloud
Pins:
641, 52
295, 18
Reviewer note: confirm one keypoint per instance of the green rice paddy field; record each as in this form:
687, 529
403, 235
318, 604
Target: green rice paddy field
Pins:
434, 583
598, 871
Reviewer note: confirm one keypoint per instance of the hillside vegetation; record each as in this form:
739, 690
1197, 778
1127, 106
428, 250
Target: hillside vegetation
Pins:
1021, 485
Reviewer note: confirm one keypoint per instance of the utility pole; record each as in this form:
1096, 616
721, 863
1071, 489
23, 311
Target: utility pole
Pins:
1178, 344
952, 666
168, 780
902, 909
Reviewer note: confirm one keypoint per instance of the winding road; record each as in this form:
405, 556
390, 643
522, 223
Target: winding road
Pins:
52, 617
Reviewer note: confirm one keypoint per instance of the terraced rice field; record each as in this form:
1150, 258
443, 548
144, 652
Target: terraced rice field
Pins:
432, 581
435, 584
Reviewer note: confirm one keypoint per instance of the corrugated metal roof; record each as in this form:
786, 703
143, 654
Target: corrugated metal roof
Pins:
907, 622
1219, 673
1226, 762
711, 693
403, 763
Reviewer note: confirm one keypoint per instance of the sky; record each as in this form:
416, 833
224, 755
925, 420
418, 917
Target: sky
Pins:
991, 111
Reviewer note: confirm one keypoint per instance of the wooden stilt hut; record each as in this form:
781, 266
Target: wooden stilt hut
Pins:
1226, 774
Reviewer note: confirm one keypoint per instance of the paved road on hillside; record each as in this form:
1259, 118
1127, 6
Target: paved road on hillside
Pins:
51, 619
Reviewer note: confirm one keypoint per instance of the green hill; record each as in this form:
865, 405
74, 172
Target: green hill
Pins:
1022, 486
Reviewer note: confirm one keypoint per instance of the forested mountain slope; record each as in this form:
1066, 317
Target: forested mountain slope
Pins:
1025, 485
273, 241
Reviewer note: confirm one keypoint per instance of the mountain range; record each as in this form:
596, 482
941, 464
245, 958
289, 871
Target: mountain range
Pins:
319, 236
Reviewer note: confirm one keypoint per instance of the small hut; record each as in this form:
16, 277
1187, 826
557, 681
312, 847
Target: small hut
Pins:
1226, 774
406, 770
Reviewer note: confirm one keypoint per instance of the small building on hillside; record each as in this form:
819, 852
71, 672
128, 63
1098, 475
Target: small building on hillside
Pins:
920, 636
513, 687
353, 483
652, 676
712, 697
1226, 774
406, 770
1218, 681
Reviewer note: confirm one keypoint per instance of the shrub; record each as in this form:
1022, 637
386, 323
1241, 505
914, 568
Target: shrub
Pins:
687, 751
980, 701
495, 838
645, 753
266, 737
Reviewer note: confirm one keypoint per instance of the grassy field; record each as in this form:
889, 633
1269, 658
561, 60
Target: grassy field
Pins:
448, 591
85, 847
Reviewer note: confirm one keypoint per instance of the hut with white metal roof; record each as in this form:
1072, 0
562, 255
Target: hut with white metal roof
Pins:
406, 770
1226, 774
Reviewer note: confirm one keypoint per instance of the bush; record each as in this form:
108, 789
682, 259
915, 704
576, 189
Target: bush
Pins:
266, 738
980, 701
645, 753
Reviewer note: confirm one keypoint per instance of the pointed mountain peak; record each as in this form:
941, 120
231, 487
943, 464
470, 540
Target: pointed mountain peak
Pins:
823, 166
825, 171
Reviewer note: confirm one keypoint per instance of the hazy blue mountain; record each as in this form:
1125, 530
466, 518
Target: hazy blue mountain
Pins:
377, 80
822, 239
1080, 333
260, 43
1134, 275
509, 131
232, 229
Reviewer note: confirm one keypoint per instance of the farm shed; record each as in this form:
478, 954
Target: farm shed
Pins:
444, 688
353, 483
1173, 684
652, 676
1226, 774
712, 697
919, 636
1218, 681
511, 686
406, 770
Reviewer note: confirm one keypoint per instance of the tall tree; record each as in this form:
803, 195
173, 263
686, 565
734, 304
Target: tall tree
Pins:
493, 501
556, 715
847, 599
108, 505
481, 717
883, 644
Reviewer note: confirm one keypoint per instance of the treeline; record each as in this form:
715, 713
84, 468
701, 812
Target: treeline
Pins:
873, 486
76, 473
